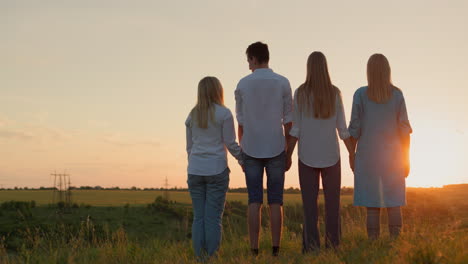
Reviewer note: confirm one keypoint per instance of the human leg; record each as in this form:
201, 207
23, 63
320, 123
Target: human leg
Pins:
394, 221
216, 189
275, 170
197, 189
309, 181
253, 169
373, 222
331, 179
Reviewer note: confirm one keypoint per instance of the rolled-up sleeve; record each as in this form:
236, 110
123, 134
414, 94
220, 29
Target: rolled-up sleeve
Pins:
287, 103
343, 132
403, 122
239, 112
188, 133
296, 128
229, 137
356, 116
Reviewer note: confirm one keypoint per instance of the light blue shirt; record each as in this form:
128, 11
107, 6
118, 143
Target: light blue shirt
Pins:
206, 148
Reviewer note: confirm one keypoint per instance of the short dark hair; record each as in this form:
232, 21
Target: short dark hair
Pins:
258, 50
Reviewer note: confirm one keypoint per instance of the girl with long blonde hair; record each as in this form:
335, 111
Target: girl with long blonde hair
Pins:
318, 116
381, 129
210, 131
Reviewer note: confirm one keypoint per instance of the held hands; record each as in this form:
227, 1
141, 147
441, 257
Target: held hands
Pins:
241, 162
288, 162
351, 160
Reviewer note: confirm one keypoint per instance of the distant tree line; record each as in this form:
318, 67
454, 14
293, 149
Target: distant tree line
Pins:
290, 190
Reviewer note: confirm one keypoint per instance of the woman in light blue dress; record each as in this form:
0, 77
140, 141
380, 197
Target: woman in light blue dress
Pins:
379, 126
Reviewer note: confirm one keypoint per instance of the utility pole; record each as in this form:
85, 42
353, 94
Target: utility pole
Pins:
68, 193
61, 192
54, 194
166, 189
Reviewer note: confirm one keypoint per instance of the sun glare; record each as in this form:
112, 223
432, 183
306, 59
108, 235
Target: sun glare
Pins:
436, 157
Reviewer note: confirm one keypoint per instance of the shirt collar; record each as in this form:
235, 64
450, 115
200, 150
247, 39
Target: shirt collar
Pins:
263, 70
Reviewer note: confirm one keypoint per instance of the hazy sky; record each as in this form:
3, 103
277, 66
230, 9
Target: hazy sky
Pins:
101, 89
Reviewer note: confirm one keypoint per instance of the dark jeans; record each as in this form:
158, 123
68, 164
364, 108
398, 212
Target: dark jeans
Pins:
309, 179
275, 168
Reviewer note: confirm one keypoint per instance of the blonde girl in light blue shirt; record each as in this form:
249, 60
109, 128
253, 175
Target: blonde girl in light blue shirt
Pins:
210, 131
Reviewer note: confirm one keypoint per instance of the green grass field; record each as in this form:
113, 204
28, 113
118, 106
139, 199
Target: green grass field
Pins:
122, 197
132, 227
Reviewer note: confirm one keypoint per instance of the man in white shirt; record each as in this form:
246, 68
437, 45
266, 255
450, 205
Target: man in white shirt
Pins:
264, 116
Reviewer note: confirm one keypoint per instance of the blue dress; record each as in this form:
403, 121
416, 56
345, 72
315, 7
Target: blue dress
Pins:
379, 179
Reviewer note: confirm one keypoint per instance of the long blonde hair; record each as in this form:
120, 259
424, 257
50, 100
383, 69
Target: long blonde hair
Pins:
210, 92
319, 87
379, 79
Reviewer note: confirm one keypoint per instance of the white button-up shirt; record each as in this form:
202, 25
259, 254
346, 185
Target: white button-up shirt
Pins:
206, 148
263, 105
318, 143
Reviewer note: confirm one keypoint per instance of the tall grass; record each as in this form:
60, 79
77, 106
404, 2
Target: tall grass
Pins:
433, 232
425, 244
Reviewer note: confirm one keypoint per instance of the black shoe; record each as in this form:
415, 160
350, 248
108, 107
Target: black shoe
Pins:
275, 251
254, 251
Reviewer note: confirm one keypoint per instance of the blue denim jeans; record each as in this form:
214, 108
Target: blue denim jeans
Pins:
275, 168
208, 195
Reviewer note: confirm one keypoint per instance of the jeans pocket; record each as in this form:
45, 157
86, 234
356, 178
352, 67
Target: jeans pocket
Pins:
188, 180
192, 180
223, 179
278, 162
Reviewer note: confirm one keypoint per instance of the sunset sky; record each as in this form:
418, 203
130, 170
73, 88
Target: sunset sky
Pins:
101, 89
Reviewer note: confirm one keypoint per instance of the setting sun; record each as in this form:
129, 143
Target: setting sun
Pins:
437, 156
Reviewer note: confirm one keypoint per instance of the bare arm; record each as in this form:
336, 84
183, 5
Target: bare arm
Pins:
354, 127
351, 143
290, 145
240, 132
406, 140
287, 127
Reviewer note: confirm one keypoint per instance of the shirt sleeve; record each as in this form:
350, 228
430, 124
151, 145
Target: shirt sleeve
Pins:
188, 133
296, 128
287, 103
229, 137
356, 116
343, 132
239, 114
403, 122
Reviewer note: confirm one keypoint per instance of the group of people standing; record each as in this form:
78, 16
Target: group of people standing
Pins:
271, 123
